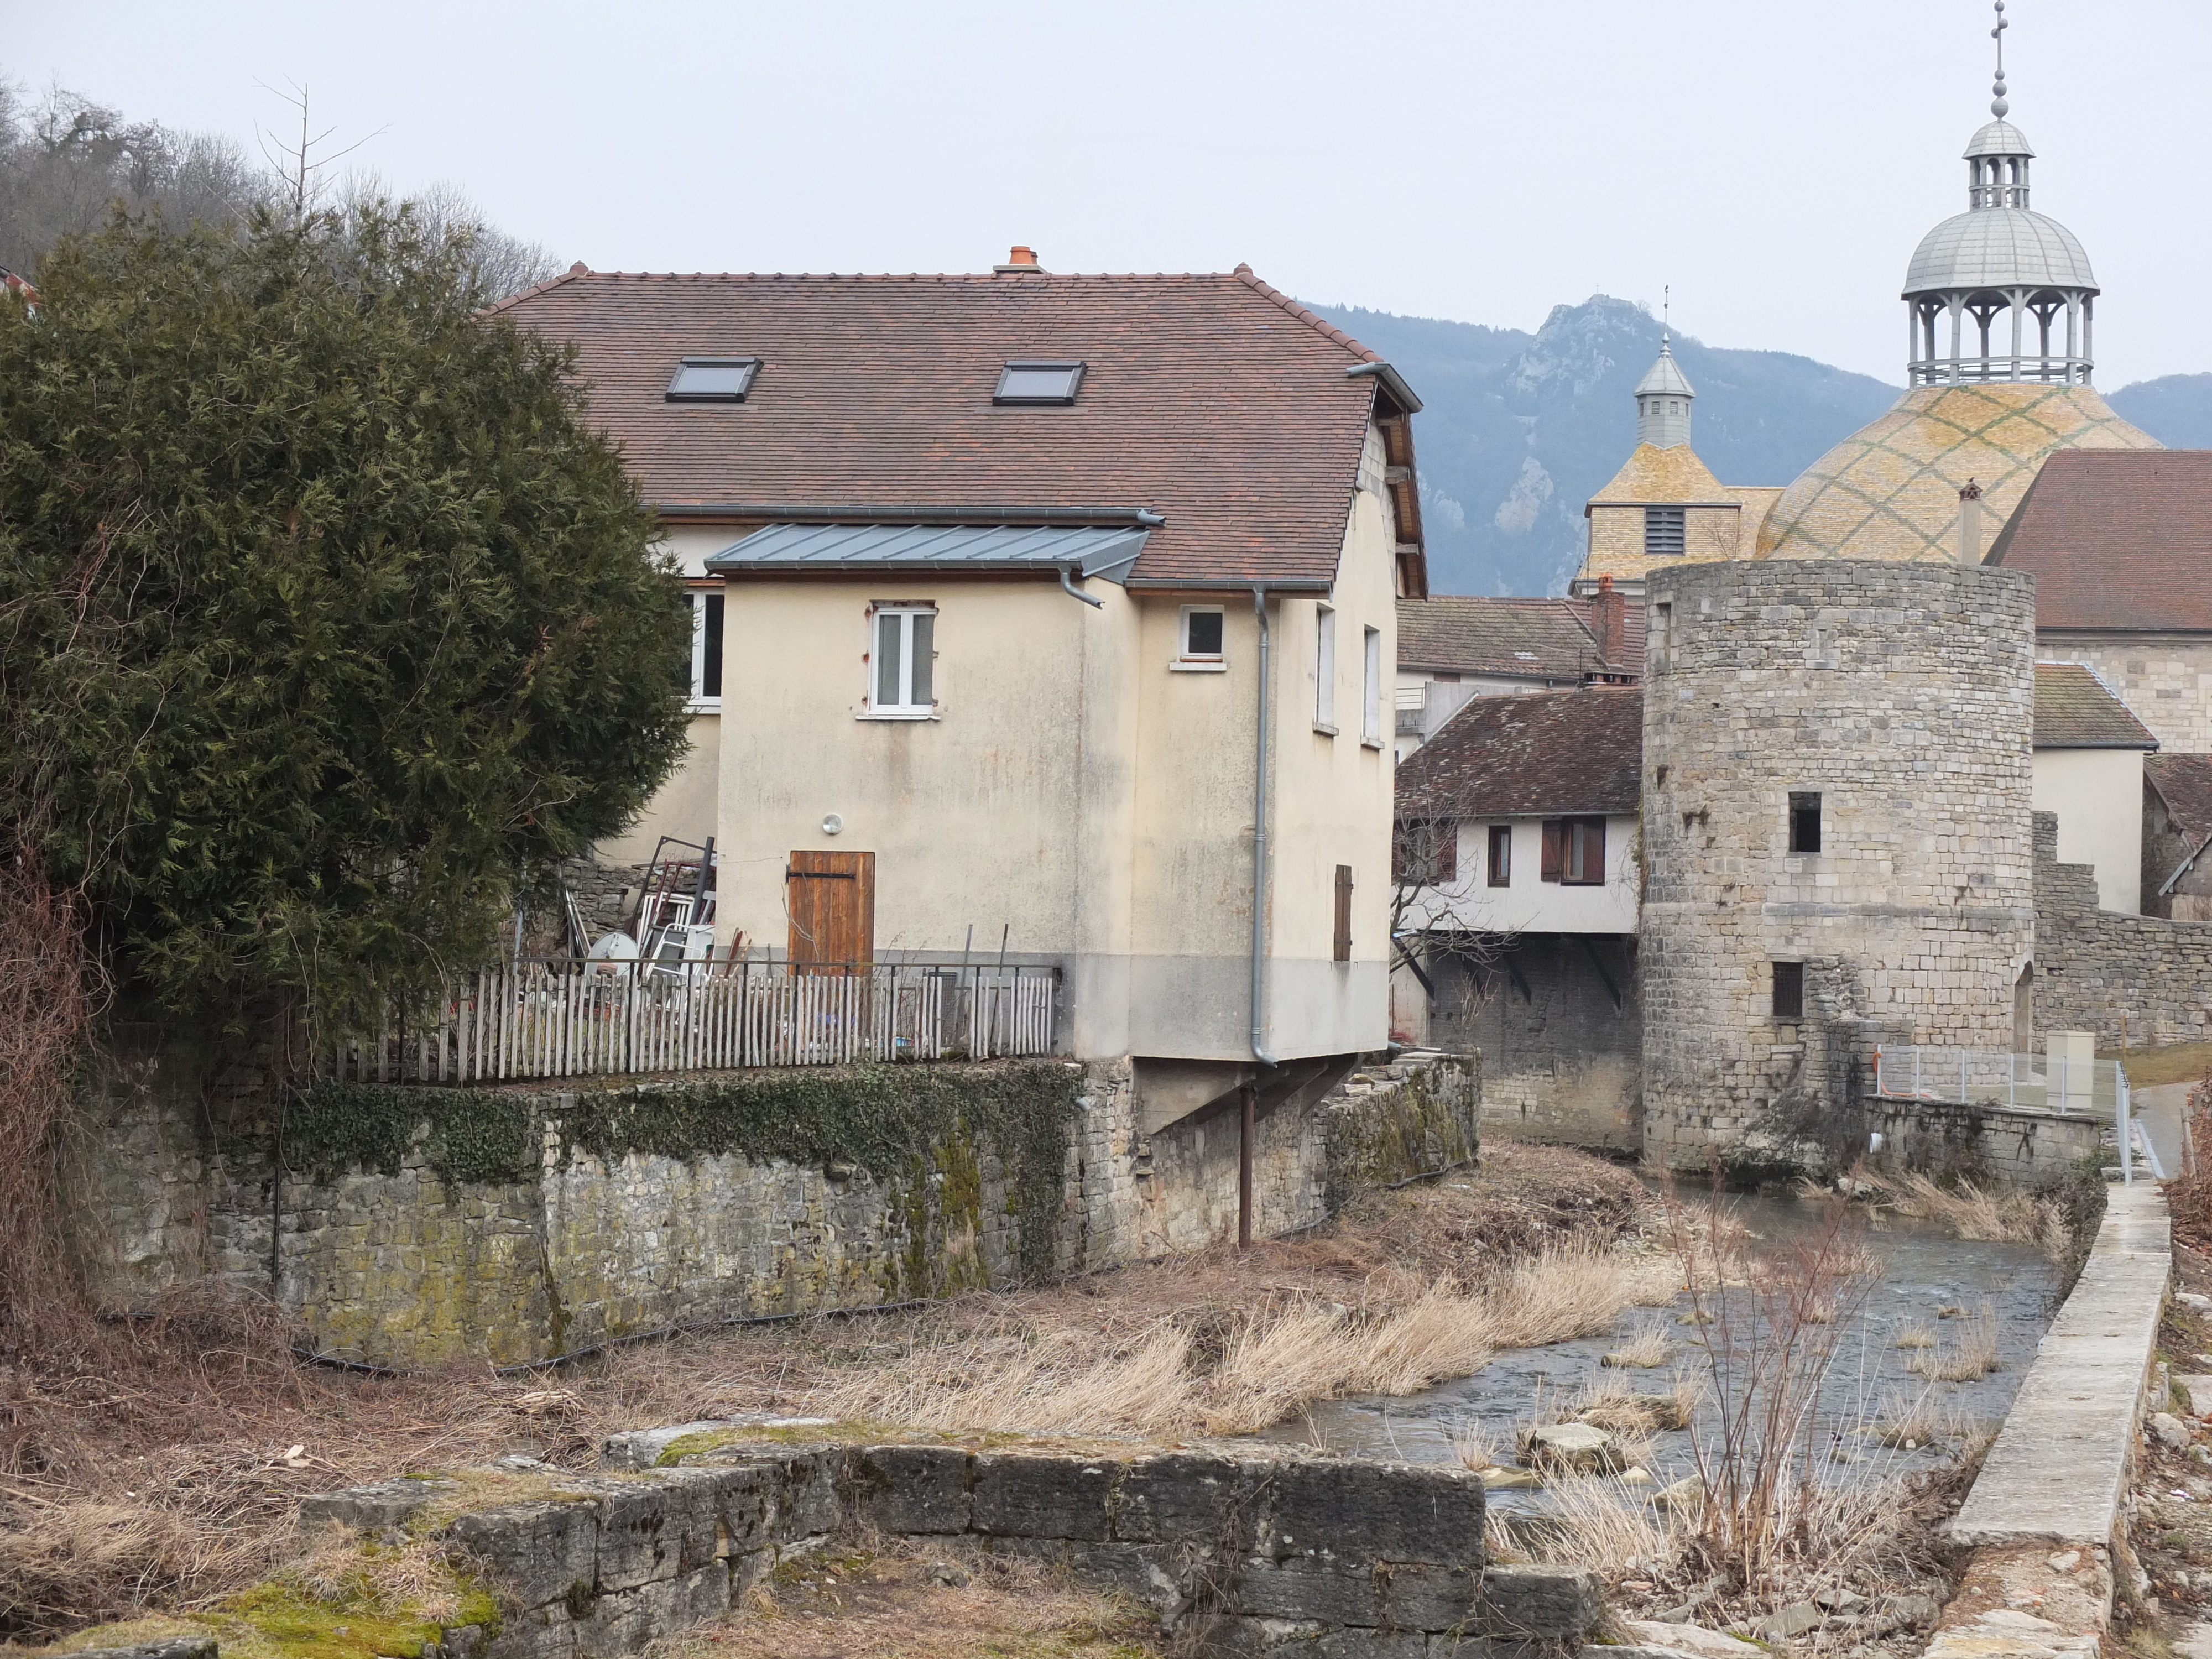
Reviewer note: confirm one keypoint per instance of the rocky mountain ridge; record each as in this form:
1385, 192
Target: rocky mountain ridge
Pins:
1520, 430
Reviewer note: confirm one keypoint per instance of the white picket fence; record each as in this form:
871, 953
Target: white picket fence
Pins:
565, 1018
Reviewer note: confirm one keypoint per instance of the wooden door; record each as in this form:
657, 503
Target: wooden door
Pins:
831, 900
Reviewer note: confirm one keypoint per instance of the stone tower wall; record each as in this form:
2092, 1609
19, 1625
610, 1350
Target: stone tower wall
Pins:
1903, 695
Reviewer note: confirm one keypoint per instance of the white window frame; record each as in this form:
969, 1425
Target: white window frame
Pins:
703, 701
1324, 669
1370, 702
1187, 662
901, 615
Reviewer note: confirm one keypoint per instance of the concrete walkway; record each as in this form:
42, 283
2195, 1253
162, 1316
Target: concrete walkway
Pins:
2058, 1469
2162, 1107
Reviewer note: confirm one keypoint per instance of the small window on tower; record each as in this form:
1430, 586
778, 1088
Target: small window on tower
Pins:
1663, 532
1804, 821
1788, 990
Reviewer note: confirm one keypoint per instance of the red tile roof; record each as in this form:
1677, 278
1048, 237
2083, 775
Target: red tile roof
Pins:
1547, 753
1213, 400
2075, 710
1473, 633
2116, 538
2183, 783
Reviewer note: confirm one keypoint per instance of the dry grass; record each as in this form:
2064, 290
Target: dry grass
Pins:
338, 1568
1592, 1520
2005, 1215
1647, 1350
1924, 1421
904, 1601
1476, 1445
1272, 1359
1971, 1354
1919, 1334
154, 1472
1613, 1403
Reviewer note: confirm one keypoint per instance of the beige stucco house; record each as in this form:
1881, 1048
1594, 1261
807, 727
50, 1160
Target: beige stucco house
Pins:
1057, 618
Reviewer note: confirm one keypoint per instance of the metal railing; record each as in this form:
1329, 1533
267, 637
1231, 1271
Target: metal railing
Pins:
1976, 1077
564, 1017
2095, 1089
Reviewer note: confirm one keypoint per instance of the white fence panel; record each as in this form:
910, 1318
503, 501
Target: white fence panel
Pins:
566, 1018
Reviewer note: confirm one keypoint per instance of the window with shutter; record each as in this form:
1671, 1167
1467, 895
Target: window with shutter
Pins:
1343, 912
1554, 840
1584, 864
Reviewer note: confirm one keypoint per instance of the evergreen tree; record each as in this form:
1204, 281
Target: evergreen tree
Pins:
326, 620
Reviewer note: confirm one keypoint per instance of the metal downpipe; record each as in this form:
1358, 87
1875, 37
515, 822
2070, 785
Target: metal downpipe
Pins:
1260, 843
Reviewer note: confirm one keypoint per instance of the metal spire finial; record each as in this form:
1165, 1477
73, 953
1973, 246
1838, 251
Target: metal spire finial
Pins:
1665, 315
1998, 106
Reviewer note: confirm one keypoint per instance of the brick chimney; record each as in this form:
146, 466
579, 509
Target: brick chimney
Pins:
1021, 261
1609, 622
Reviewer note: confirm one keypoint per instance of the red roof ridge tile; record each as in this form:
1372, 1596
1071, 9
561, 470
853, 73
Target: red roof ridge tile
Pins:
1320, 324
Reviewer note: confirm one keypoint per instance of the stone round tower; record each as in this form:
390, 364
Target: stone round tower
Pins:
1836, 841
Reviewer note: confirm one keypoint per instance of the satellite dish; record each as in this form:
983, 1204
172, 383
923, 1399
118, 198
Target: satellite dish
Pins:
614, 947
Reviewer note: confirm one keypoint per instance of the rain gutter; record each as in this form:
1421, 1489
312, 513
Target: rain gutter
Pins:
1260, 842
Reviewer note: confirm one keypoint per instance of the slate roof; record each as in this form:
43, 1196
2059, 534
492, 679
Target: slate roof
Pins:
2117, 539
2183, 783
2074, 710
1472, 634
1212, 400
1548, 753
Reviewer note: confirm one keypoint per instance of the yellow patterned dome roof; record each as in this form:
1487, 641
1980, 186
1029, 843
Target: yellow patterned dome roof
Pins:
1891, 490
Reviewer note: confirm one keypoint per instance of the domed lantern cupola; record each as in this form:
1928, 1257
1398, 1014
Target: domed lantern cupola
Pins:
1999, 292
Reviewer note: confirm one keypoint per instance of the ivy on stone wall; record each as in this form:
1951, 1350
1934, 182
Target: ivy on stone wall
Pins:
461, 1135
897, 1123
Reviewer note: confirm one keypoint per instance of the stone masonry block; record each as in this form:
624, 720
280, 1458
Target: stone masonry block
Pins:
540, 1553
1374, 1511
641, 1529
1185, 1497
806, 1494
177, 1647
1147, 1573
1278, 1640
912, 1489
545, 1632
744, 1507
1532, 1603
1032, 1496
371, 1509
1421, 1595
624, 1621
1334, 1592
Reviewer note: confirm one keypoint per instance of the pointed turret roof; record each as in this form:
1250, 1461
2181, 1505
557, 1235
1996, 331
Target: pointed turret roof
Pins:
1665, 377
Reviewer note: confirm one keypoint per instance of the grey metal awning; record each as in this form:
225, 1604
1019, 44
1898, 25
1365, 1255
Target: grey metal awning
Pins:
1087, 550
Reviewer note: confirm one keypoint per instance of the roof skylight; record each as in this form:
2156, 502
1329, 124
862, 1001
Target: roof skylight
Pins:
713, 380
1031, 381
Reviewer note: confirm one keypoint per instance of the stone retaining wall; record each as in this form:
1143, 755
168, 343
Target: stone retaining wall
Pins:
2095, 967
1983, 1143
402, 1267
1307, 1558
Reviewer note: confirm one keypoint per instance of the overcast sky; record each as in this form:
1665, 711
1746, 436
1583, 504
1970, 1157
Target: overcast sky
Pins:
1775, 160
